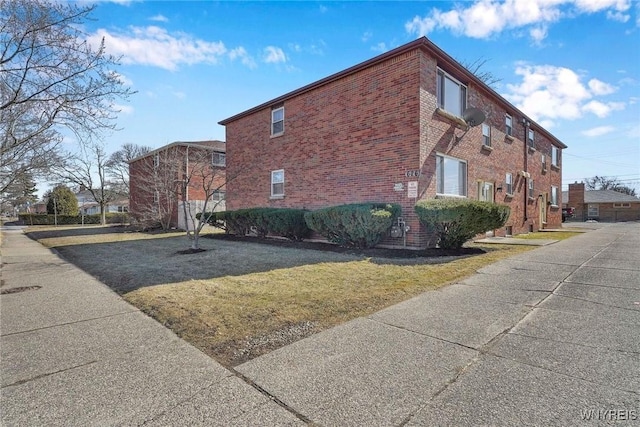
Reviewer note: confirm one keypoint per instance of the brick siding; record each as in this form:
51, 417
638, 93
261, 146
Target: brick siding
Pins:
361, 138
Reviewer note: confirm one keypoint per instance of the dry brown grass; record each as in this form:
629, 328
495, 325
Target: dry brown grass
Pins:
238, 300
557, 235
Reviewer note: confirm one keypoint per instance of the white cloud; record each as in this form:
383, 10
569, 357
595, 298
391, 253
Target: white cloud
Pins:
486, 18
241, 54
159, 18
274, 55
601, 109
598, 131
549, 93
157, 47
366, 36
600, 88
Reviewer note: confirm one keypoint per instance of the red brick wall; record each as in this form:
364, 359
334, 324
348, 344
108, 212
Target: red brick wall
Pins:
141, 193
352, 139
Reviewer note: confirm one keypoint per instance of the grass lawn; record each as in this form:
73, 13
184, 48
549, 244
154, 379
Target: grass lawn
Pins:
239, 300
557, 235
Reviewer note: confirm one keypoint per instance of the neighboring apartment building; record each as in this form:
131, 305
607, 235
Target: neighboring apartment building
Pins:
391, 129
600, 205
160, 180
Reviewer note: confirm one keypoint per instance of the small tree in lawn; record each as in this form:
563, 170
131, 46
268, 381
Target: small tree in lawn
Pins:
205, 174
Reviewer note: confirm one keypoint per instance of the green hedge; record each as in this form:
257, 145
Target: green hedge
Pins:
287, 223
49, 219
456, 221
360, 225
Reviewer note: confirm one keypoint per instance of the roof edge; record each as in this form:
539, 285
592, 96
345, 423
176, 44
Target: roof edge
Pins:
179, 144
422, 43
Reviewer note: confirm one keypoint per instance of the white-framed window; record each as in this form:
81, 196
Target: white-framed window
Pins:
156, 160
486, 135
218, 195
452, 95
156, 196
485, 191
451, 176
593, 211
544, 162
622, 205
218, 159
277, 183
554, 195
508, 183
555, 156
277, 121
531, 189
508, 121
531, 139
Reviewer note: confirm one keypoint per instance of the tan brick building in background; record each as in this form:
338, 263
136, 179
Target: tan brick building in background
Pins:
391, 129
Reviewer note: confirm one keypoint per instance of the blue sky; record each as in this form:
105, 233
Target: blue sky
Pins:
573, 66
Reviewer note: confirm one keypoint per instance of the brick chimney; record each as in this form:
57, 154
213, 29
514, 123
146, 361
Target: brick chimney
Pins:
576, 194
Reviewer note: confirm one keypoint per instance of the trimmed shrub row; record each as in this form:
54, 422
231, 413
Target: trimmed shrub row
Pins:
283, 222
360, 225
456, 221
49, 219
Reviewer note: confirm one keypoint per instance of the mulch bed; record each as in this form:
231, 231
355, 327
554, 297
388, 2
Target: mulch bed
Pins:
329, 247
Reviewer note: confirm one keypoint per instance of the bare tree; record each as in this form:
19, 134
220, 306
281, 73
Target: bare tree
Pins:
209, 180
88, 170
51, 81
476, 68
608, 183
118, 165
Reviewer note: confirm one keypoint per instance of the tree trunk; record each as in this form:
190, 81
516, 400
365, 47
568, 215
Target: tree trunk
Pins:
103, 214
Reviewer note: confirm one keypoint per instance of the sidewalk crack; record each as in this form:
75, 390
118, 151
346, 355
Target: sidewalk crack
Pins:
48, 374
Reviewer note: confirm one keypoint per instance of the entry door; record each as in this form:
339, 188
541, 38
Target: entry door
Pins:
544, 197
485, 191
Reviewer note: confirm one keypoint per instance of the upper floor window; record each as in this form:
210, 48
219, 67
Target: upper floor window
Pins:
277, 121
452, 95
544, 162
218, 159
486, 134
509, 125
531, 196
555, 156
277, 183
451, 176
554, 195
508, 183
531, 139
156, 160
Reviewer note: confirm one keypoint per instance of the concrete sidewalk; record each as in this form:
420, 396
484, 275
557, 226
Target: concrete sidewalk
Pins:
549, 337
74, 353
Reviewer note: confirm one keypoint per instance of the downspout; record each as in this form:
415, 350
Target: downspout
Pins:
527, 125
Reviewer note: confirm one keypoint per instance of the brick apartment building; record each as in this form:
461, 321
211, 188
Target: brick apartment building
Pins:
600, 205
391, 129
156, 181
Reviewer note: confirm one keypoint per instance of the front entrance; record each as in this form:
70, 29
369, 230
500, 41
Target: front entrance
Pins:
544, 197
485, 194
